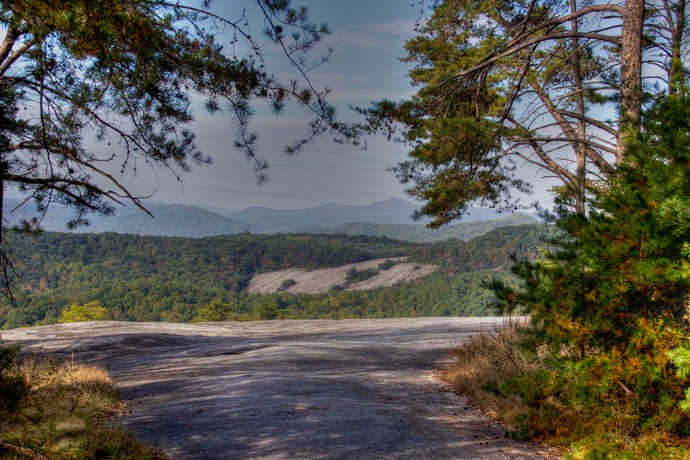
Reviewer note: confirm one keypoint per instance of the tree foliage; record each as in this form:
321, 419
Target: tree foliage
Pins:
573, 88
555, 84
627, 259
611, 297
90, 311
354, 276
95, 92
186, 279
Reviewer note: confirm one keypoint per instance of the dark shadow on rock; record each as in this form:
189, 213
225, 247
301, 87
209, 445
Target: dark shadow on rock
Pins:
288, 390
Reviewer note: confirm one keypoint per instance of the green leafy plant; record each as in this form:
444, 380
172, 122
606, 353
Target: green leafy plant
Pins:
90, 311
680, 357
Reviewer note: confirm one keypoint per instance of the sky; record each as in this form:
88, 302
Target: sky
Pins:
368, 38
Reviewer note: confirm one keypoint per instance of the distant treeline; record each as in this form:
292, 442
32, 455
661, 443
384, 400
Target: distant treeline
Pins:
422, 234
145, 278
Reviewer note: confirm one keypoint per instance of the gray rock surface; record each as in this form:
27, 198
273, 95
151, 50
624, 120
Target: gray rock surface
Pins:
350, 389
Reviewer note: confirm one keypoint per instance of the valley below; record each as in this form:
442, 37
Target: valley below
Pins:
287, 389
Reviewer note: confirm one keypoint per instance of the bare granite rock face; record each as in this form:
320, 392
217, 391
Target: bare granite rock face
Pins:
323, 279
350, 389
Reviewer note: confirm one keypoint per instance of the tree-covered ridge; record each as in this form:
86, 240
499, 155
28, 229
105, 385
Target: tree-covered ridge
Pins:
422, 234
92, 93
162, 278
238, 256
390, 218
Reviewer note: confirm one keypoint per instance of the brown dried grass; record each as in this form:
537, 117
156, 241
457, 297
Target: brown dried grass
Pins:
62, 416
491, 358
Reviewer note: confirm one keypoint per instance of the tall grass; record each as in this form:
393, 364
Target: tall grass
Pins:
60, 415
488, 360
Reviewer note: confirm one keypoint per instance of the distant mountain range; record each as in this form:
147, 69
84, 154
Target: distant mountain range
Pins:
391, 211
168, 220
390, 218
417, 233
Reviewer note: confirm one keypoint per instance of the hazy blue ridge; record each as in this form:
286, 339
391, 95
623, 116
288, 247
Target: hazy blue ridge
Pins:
328, 216
417, 233
167, 220
390, 218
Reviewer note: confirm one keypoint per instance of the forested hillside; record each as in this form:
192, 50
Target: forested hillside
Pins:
167, 220
184, 279
421, 233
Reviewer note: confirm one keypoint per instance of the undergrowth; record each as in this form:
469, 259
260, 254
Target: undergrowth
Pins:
57, 410
605, 406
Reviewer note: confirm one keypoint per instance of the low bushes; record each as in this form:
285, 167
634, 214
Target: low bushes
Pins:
355, 276
625, 404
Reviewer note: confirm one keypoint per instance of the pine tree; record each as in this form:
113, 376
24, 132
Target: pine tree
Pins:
610, 295
558, 85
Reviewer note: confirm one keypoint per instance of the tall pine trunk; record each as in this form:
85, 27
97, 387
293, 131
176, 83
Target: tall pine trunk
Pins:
581, 148
676, 74
631, 75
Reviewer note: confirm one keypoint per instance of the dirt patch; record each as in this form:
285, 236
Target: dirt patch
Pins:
325, 279
350, 389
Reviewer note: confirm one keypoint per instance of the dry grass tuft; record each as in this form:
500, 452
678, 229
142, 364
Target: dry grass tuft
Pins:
489, 359
61, 415
86, 378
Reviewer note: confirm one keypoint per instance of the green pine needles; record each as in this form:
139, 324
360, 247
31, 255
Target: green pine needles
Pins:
609, 301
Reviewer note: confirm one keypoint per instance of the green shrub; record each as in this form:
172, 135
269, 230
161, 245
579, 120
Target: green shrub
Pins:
680, 357
90, 311
216, 310
267, 310
286, 284
355, 276
387, 265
